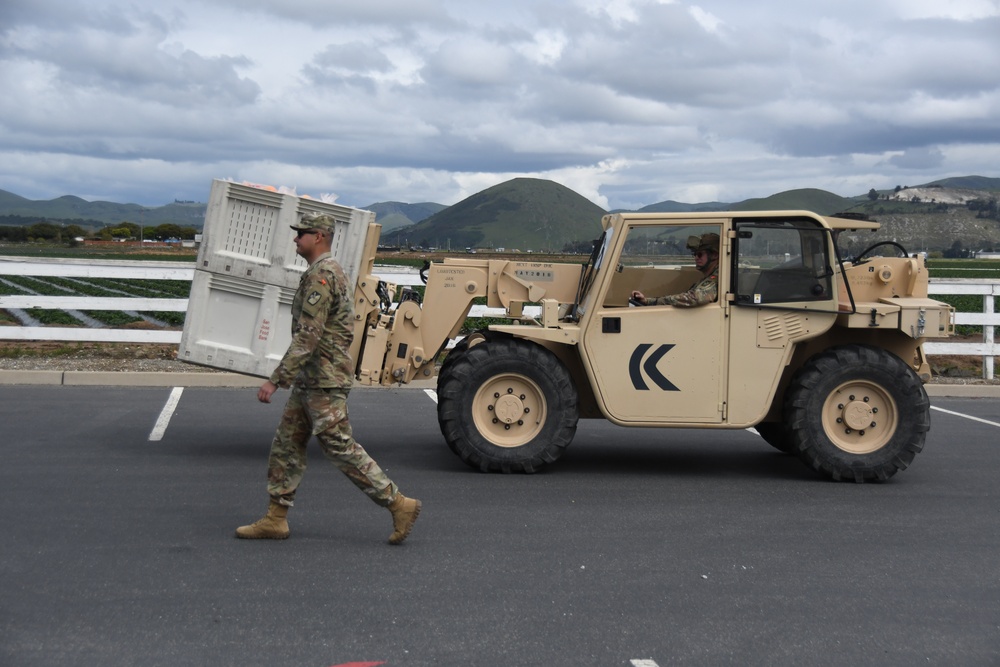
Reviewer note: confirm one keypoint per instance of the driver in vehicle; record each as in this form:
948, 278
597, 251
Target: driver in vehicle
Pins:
705, 249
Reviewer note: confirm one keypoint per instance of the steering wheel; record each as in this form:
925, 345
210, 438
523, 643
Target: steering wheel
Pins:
857, 259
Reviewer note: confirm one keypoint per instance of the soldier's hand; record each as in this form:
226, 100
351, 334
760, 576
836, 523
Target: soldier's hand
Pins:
638, 297
266, 391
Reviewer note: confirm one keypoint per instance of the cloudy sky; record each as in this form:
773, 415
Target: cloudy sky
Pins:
628, 102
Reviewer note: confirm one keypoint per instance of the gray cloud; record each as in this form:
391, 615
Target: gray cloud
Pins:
629, 102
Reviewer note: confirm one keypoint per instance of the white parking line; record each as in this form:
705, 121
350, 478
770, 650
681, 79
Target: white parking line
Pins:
959, 414
168, 411
643, 663
433, 394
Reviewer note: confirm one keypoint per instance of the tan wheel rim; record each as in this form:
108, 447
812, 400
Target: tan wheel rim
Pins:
860, 417
509, 410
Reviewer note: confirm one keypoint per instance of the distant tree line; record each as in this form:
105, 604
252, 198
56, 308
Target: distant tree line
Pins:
41, 231
60, 232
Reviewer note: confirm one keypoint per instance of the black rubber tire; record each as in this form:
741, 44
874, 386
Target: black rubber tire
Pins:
454, 354
857, 413
485, 391
460, 348
776, 435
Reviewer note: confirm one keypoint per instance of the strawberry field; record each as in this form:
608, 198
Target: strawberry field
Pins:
96, 287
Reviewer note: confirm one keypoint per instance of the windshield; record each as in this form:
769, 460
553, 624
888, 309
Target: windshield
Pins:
590, 270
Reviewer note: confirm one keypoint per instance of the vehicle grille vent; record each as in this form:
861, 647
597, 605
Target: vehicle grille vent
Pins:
788, 325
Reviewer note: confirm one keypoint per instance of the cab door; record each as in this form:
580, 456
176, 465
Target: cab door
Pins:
658, 364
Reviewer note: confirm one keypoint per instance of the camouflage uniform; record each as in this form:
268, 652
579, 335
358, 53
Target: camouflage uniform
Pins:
704, 291
318, 367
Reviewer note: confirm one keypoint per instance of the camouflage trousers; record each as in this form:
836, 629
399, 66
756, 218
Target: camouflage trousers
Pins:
323, 413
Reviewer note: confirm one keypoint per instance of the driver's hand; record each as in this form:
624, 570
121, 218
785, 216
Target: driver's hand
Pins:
638, 296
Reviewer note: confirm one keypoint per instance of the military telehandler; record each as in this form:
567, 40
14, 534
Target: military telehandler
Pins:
821, 354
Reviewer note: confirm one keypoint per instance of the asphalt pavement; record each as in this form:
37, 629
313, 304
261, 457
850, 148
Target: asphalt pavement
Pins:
640, 547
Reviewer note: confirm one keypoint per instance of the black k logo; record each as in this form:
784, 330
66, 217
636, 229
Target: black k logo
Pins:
650, 367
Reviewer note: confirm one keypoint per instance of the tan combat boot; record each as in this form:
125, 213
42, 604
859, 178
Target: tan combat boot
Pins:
404, 514
274, 525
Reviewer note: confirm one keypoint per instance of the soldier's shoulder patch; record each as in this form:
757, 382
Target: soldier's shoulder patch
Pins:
314, 298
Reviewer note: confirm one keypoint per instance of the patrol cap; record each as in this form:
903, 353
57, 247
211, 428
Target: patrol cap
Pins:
708, 241
318, 221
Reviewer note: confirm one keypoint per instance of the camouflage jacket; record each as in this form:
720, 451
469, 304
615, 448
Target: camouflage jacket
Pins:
704, 291
319, 356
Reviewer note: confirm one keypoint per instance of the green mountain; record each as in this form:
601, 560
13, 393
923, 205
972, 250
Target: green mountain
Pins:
524, 213
968, 183
185, 214
808, 199
8, 199
671, 206
394, 215
535, 214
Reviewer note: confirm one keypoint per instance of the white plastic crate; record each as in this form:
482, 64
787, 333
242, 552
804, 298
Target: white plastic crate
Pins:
248, 234
239, 312
236, 325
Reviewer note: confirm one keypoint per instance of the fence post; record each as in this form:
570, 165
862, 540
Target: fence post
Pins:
988, 335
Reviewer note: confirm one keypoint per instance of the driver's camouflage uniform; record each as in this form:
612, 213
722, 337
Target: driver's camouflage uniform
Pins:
704, 291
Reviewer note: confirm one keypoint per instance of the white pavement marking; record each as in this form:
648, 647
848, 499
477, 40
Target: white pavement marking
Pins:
168, 411
644, 663
959, 414
433, 394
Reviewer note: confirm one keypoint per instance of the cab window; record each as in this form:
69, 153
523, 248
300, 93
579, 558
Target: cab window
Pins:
781, 261
656, 261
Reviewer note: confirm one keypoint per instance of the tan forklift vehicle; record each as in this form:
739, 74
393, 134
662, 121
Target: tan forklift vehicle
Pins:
821, 354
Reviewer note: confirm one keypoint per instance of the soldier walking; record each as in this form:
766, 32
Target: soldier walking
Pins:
319, 370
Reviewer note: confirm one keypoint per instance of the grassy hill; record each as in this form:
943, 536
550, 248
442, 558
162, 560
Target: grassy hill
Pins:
808, 199
929, 227
74, 208
671, 206
969, 183
527, 213
394, 215
9, 199
524, 213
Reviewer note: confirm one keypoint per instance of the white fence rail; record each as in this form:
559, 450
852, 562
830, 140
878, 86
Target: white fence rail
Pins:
988, 319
